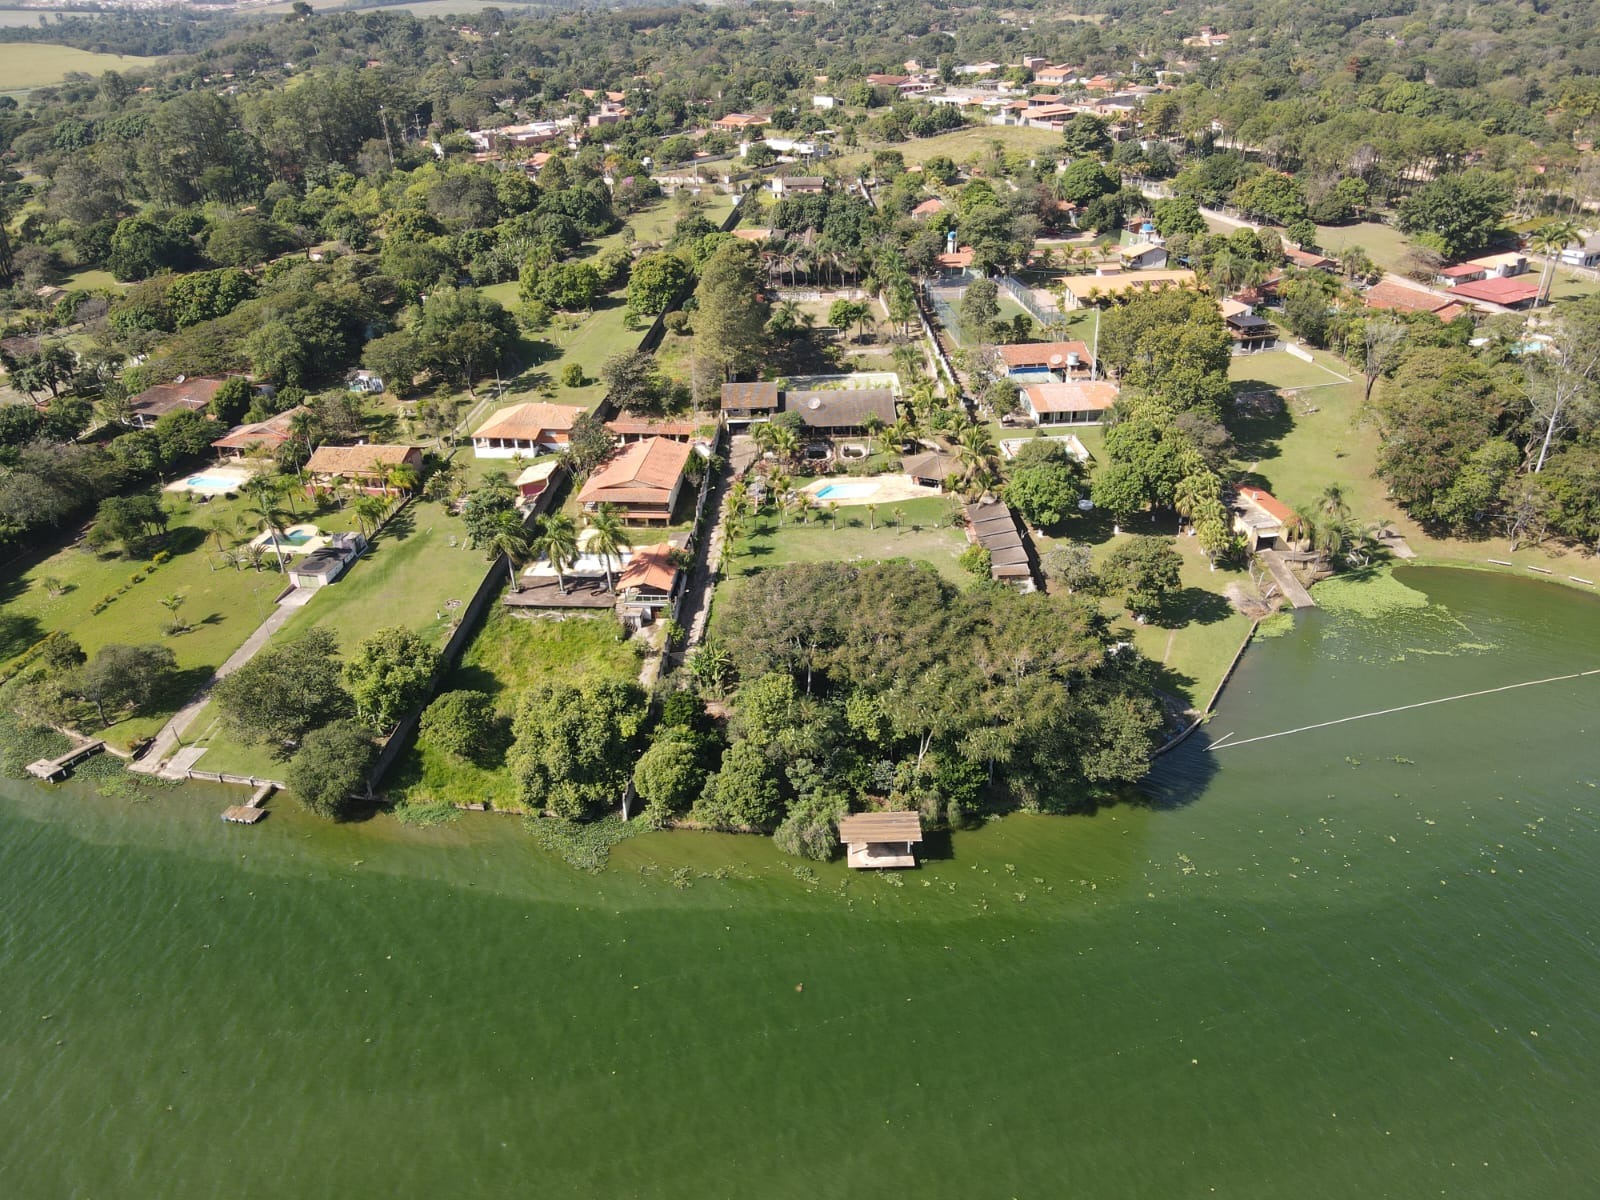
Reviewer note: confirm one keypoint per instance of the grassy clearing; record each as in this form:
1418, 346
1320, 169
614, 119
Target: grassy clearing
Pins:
1386, 245
1197, 634
926, 535
1322, 440
1278, 369
25, 65
511, 654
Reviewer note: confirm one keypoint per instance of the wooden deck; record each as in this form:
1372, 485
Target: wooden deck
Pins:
863, 855
253, 811
52, 769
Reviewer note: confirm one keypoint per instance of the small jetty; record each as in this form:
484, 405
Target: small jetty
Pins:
1287, 583
52, 769
250, 813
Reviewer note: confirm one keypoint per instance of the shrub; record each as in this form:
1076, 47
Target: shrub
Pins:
976, 560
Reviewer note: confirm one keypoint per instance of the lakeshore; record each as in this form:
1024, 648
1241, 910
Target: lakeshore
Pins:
1334, 947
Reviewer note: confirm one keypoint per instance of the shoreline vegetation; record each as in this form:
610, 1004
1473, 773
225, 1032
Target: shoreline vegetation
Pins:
314, 241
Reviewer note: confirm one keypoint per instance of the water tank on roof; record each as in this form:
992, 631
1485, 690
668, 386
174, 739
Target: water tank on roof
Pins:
1073, 358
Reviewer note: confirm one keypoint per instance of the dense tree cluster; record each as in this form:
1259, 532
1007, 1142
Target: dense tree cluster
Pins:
884, 681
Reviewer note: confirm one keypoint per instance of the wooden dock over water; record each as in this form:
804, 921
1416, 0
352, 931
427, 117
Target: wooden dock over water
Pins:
250, 813
52, 769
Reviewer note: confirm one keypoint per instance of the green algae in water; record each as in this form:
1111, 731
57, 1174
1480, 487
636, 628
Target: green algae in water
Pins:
1278, 624
1376, 595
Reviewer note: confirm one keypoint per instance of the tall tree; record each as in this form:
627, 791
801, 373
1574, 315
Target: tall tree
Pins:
730, 323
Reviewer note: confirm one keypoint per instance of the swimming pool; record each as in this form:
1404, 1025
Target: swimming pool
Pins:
297, 537
215, 483
846, 491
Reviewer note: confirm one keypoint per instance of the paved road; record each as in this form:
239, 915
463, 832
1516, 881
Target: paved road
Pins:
172, 732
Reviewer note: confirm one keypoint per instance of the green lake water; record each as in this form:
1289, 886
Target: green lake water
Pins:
1355, 961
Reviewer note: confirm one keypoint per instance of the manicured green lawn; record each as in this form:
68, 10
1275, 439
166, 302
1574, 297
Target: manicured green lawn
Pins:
409, 577
1385, 244
223, 605
1278, 369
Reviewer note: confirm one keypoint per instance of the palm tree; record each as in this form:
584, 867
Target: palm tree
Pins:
263, 495
608, 538
369, 511
509, 536
1332, 502
977, 451
219, 526
558, 541
1550, 242
1192, 492
172, 604
833, 512
785, 442
303, 425
402, 477
872, 515
899, 518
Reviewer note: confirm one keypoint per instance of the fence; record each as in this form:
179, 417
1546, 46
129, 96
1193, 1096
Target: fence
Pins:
1025, 296
488, 589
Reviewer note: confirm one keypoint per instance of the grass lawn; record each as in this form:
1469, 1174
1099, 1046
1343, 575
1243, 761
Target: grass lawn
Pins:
1278, 369
1385, 244
90, 281
223, 606
1320, 441
25, 65
512, 654
407, 578
925, 535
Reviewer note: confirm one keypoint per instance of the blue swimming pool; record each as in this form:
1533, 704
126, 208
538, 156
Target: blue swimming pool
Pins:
846, 491
217, 483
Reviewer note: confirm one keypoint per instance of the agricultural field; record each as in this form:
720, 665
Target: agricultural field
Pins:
27, 65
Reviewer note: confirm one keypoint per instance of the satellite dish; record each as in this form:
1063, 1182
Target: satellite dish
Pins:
180, 379
815, 402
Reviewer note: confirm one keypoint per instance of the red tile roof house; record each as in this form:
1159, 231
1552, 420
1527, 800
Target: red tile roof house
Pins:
365, 468
186, 395
1396, 297
1064, 360
527, 429
266, 435
1501, 291
651, 577
1069, 403
643, 479
736, 122
1309, 260
1261, 518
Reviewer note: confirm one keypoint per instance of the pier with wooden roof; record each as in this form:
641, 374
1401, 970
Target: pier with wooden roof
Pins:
881, 839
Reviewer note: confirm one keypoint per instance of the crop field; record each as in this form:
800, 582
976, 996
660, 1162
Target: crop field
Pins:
25, 65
